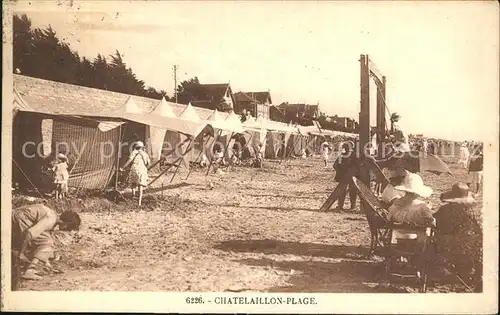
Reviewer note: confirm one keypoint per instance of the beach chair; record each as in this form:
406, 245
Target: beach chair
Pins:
411, 242
376, 215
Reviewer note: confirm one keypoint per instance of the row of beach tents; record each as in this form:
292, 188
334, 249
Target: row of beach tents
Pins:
91, 139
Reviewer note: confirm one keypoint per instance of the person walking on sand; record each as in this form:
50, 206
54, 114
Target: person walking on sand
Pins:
464, 155
325, 149
139, 161
32, 241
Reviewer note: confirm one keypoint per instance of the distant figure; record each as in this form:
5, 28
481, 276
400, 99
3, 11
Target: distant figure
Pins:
243, 115
308, 152
325, 150
476, 168
218, 159
61, 176
464, 155
139, 161
424, 146
431, 147
259, 156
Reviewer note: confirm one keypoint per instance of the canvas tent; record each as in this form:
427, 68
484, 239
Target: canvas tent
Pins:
179, 136
255, 134
75, 136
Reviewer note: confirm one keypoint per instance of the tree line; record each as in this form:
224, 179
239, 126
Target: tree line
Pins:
41, 54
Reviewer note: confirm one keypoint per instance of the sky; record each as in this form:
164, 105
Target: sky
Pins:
441, 59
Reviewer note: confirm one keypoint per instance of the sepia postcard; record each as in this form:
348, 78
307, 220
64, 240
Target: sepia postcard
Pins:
250, 156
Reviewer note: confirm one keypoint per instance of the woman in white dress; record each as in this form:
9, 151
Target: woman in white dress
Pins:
325, 150
139, 161
464, 155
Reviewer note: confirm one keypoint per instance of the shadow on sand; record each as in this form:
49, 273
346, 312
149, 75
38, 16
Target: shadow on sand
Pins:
350, 274
292, 248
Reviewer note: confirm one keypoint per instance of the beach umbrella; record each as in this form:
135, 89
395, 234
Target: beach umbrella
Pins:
416, 162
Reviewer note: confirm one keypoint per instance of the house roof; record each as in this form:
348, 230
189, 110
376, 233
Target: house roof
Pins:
242, 97
303, 109
260, 97
215, 91
63, 98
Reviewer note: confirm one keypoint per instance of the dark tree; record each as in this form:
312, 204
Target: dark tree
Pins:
189, 90
40, 53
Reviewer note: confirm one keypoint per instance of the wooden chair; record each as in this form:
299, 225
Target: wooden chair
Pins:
376, 214
396, 240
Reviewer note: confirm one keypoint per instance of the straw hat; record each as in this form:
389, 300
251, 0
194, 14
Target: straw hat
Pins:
413, 183
139, 145
459, 193
61, 156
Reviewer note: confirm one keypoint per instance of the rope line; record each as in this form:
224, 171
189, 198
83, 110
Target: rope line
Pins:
27, 177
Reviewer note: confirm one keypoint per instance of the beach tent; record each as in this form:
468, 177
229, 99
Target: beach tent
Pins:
88, 144
186, 130
255, 134
157, 134
228, 127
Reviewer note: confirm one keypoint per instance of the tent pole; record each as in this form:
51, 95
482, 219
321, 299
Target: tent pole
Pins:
198, 157
181, 158
227, 146
28, 178
117, 161
169, 166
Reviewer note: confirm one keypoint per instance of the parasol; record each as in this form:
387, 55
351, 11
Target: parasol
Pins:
416, 162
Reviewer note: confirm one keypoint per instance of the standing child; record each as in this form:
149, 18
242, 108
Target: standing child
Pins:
325, 148
476, 168
61, 176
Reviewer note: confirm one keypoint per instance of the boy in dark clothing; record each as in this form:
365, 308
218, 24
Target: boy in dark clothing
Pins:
476, 169
342, 165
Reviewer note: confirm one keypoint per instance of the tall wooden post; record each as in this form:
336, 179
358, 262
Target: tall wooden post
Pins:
364, 114
381, 113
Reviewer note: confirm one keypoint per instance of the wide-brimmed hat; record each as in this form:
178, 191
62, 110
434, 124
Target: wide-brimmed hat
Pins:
61, 156
413, 183
459, 193
348, 145
139, 144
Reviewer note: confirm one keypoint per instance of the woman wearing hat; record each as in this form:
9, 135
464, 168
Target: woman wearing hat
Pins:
396, 177
459, 235
409, 209
139, 161
61, 176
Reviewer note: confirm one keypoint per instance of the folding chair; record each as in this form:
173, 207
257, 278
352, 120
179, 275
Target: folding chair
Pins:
396, 240
376, 214
413, 243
